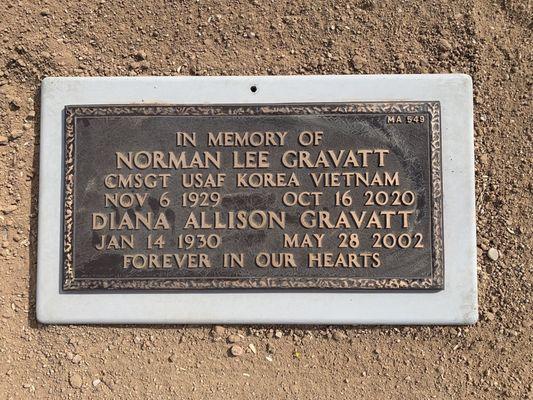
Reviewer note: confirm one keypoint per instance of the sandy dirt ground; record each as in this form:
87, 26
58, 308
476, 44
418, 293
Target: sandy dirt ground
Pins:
486, 39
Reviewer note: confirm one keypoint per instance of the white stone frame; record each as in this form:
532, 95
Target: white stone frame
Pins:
456, 304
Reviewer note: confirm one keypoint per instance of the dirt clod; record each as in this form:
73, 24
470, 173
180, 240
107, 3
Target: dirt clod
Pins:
338, 335
219, 330
75, 380
7, 209
140, 55
15, 134
358, 62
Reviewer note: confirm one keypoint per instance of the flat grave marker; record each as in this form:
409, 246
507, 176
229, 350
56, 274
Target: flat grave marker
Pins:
323, 199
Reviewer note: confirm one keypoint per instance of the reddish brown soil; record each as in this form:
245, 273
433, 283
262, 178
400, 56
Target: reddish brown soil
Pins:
490, 40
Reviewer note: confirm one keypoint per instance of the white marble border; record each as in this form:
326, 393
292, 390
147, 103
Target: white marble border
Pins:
456, 304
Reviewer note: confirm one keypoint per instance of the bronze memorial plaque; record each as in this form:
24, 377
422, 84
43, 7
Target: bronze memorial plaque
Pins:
290, 196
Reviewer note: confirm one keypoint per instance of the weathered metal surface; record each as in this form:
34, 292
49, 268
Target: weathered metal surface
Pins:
366, 180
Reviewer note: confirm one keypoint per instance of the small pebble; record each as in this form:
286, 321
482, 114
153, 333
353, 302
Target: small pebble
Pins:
3, 140
236, 351
233, 338
493, 254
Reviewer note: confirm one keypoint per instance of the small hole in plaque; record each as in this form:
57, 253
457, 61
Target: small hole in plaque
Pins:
253, 88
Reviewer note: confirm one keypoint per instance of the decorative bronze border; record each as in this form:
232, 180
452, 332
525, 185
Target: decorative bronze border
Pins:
436, 282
